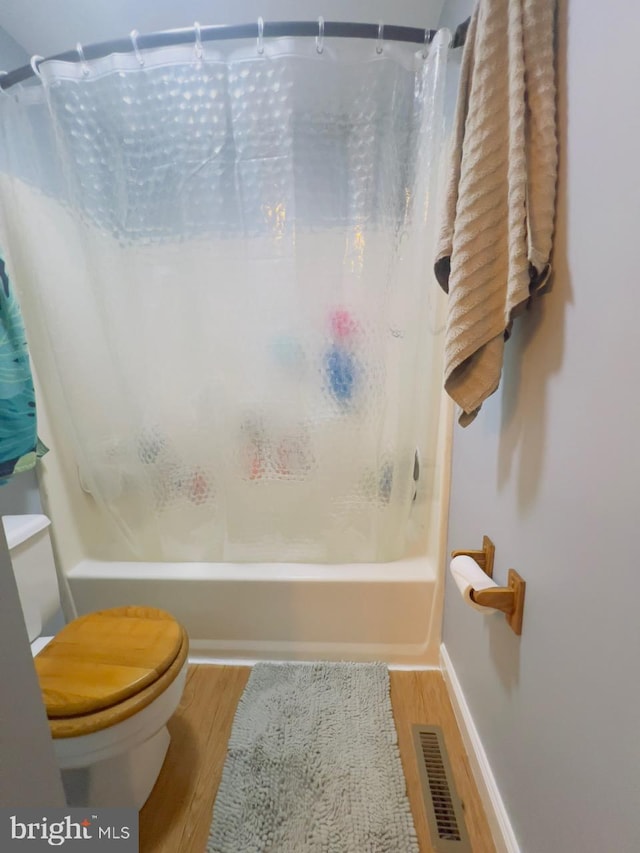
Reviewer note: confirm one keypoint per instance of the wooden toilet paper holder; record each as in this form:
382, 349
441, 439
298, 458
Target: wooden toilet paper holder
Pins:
509, 599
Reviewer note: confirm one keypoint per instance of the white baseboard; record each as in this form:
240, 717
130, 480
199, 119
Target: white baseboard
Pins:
503, 835
211, 660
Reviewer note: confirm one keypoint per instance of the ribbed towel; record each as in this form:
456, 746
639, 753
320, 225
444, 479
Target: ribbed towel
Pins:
497, 228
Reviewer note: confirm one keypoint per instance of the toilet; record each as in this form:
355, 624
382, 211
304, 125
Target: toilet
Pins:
110, 680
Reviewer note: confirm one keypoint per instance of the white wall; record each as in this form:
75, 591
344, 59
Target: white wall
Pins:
551, 471
52, 26
12, 54
454, 12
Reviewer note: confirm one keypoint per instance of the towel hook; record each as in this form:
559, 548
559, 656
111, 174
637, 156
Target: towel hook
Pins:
380, 42
320, 36
260, 39
83, 61
198, 45
133, 35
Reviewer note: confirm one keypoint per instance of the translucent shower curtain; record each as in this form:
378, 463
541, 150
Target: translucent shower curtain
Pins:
223, 262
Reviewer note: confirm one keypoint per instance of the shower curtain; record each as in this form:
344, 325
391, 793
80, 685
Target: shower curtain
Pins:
223, 259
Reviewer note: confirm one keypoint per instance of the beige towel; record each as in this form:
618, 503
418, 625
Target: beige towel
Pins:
497, 228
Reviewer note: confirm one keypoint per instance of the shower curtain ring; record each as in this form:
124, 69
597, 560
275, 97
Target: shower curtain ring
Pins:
260, 39
320, 36
198, 48
428, 35
83, 61
35, 64
380, 42
133, 35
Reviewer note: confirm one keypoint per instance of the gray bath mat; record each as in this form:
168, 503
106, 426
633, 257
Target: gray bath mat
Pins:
313, 765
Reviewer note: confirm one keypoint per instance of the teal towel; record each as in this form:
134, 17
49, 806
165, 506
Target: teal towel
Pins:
19, 444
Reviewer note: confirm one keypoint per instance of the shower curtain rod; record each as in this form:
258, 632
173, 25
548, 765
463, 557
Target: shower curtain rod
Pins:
220, 32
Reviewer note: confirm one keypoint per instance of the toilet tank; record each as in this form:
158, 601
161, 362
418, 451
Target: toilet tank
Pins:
33, 566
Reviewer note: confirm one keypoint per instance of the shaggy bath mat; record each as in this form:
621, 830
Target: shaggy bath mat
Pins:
313, 765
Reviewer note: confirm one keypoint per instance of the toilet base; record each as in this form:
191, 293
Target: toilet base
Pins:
123, 780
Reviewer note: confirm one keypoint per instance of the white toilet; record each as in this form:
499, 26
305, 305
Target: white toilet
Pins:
110, 680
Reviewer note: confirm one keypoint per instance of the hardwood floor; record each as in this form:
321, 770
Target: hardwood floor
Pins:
421, 697
177, 815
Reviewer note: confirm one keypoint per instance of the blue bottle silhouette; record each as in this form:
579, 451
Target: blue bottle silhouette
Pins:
340, 363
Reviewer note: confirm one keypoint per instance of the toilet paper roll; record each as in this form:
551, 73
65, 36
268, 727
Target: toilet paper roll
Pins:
469, 576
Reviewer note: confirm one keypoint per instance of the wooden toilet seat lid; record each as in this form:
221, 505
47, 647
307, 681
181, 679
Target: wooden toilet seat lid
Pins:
101, 659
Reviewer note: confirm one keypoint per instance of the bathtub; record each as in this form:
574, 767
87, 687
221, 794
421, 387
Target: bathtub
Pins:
248, 612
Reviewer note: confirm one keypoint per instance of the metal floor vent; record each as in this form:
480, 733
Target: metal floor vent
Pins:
442, 803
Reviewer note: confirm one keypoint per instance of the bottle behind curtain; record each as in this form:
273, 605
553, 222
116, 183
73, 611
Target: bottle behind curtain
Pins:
225, 264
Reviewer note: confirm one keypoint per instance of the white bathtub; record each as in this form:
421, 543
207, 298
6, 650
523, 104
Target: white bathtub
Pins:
385, 611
